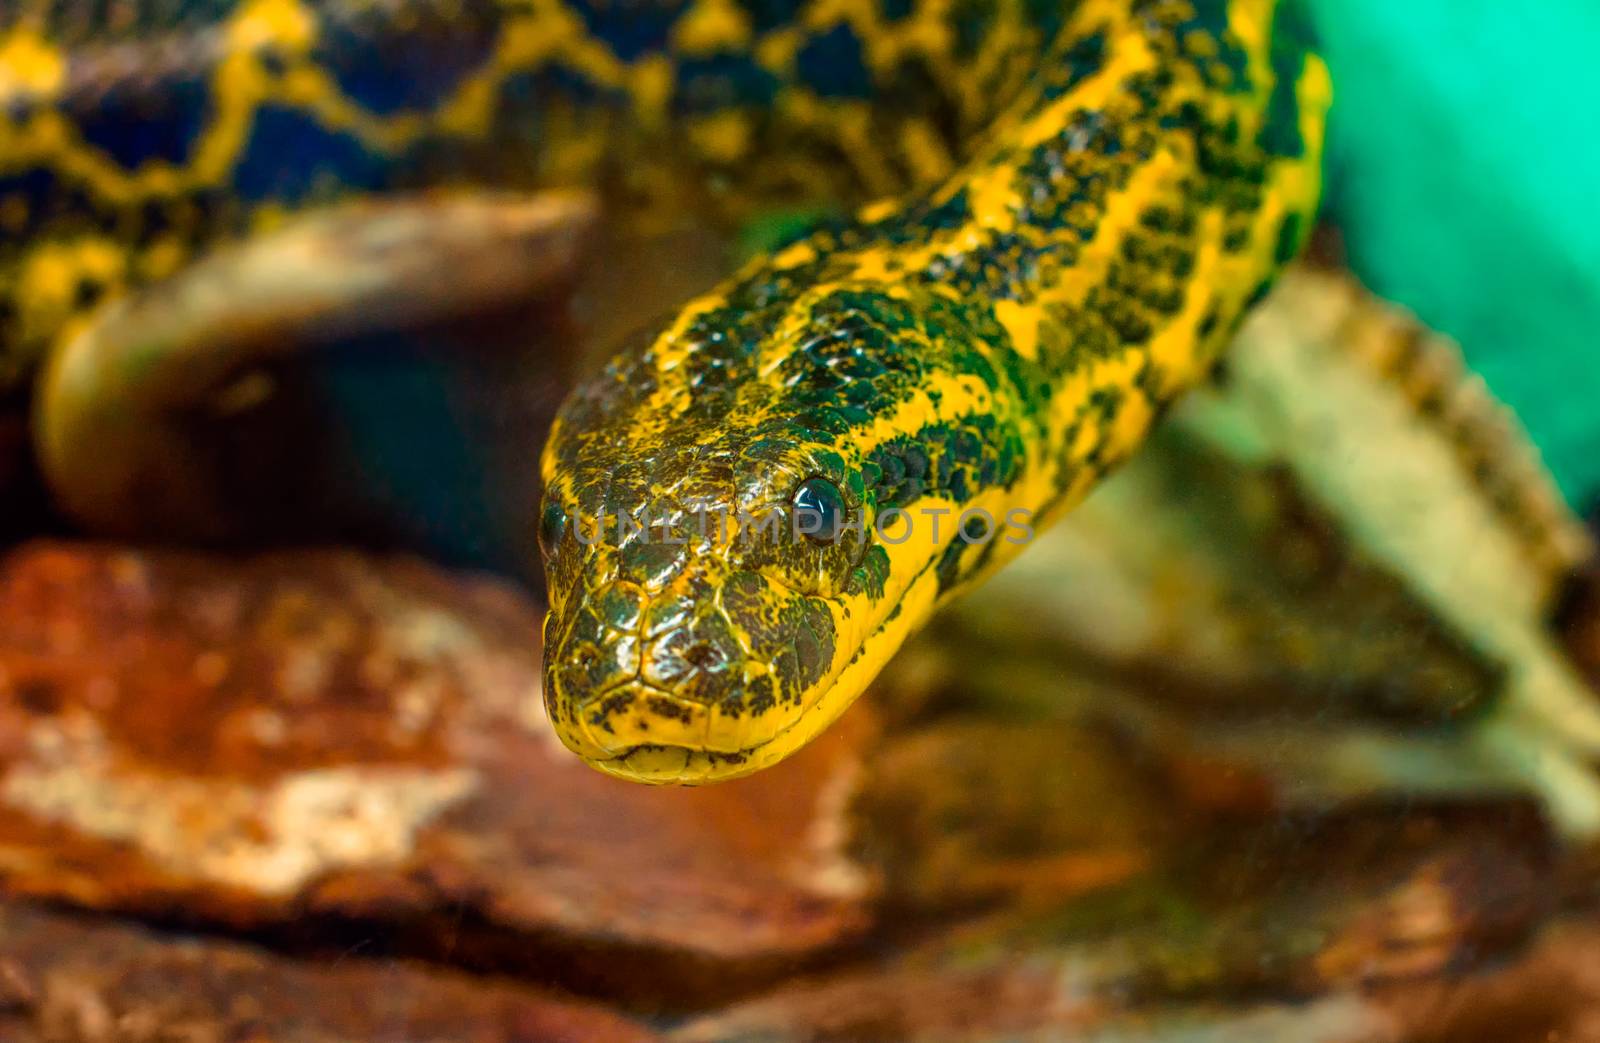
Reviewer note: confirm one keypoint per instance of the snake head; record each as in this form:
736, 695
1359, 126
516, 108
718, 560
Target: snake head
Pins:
695, 616
721, 585
701, 559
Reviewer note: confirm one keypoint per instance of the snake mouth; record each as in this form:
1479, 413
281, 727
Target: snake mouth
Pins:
667, 765
634, 727
646, 733
708, 679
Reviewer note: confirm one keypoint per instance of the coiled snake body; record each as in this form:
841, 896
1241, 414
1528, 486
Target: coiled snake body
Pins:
1090, 195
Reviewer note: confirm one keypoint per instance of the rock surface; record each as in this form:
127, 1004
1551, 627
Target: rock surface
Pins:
260, 743
73, 978
1317, 930
295, 795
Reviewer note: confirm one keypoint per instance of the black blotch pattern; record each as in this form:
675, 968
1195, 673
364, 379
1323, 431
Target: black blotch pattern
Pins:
723, 81
291, 158
1293, 37
388, 68
139, 120
1290, 234
631, 28
834, 65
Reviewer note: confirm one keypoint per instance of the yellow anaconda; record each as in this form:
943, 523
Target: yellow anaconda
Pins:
1091, 194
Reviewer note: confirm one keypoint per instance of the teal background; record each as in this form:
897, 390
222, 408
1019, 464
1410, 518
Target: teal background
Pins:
1464, 168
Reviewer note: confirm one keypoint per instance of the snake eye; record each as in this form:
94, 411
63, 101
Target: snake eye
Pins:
820, 509
552, 526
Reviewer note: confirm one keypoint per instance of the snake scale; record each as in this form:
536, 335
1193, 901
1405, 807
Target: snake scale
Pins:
1061, 211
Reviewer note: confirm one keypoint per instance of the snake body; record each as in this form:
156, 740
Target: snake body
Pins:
1076, 201
138, 135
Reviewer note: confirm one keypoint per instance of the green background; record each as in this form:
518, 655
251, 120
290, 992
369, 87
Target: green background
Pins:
1464, 168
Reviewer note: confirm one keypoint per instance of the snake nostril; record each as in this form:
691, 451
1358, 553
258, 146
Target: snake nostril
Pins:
703, 656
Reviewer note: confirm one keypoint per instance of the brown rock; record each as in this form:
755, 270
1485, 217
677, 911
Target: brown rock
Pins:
973, 810
259, 741
902, 1005
1308, 905
1026, 1004
1250, 933
90, 981
1549, 993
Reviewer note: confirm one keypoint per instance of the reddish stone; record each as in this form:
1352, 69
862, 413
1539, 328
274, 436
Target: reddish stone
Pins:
1025, 1002
969, 811
72, 978
325, 734
1546, 991
1548, 994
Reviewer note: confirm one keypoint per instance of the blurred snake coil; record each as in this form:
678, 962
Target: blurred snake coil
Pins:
1061, 211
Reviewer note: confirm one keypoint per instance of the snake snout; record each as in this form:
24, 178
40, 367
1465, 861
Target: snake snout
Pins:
699, 659
646, 686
